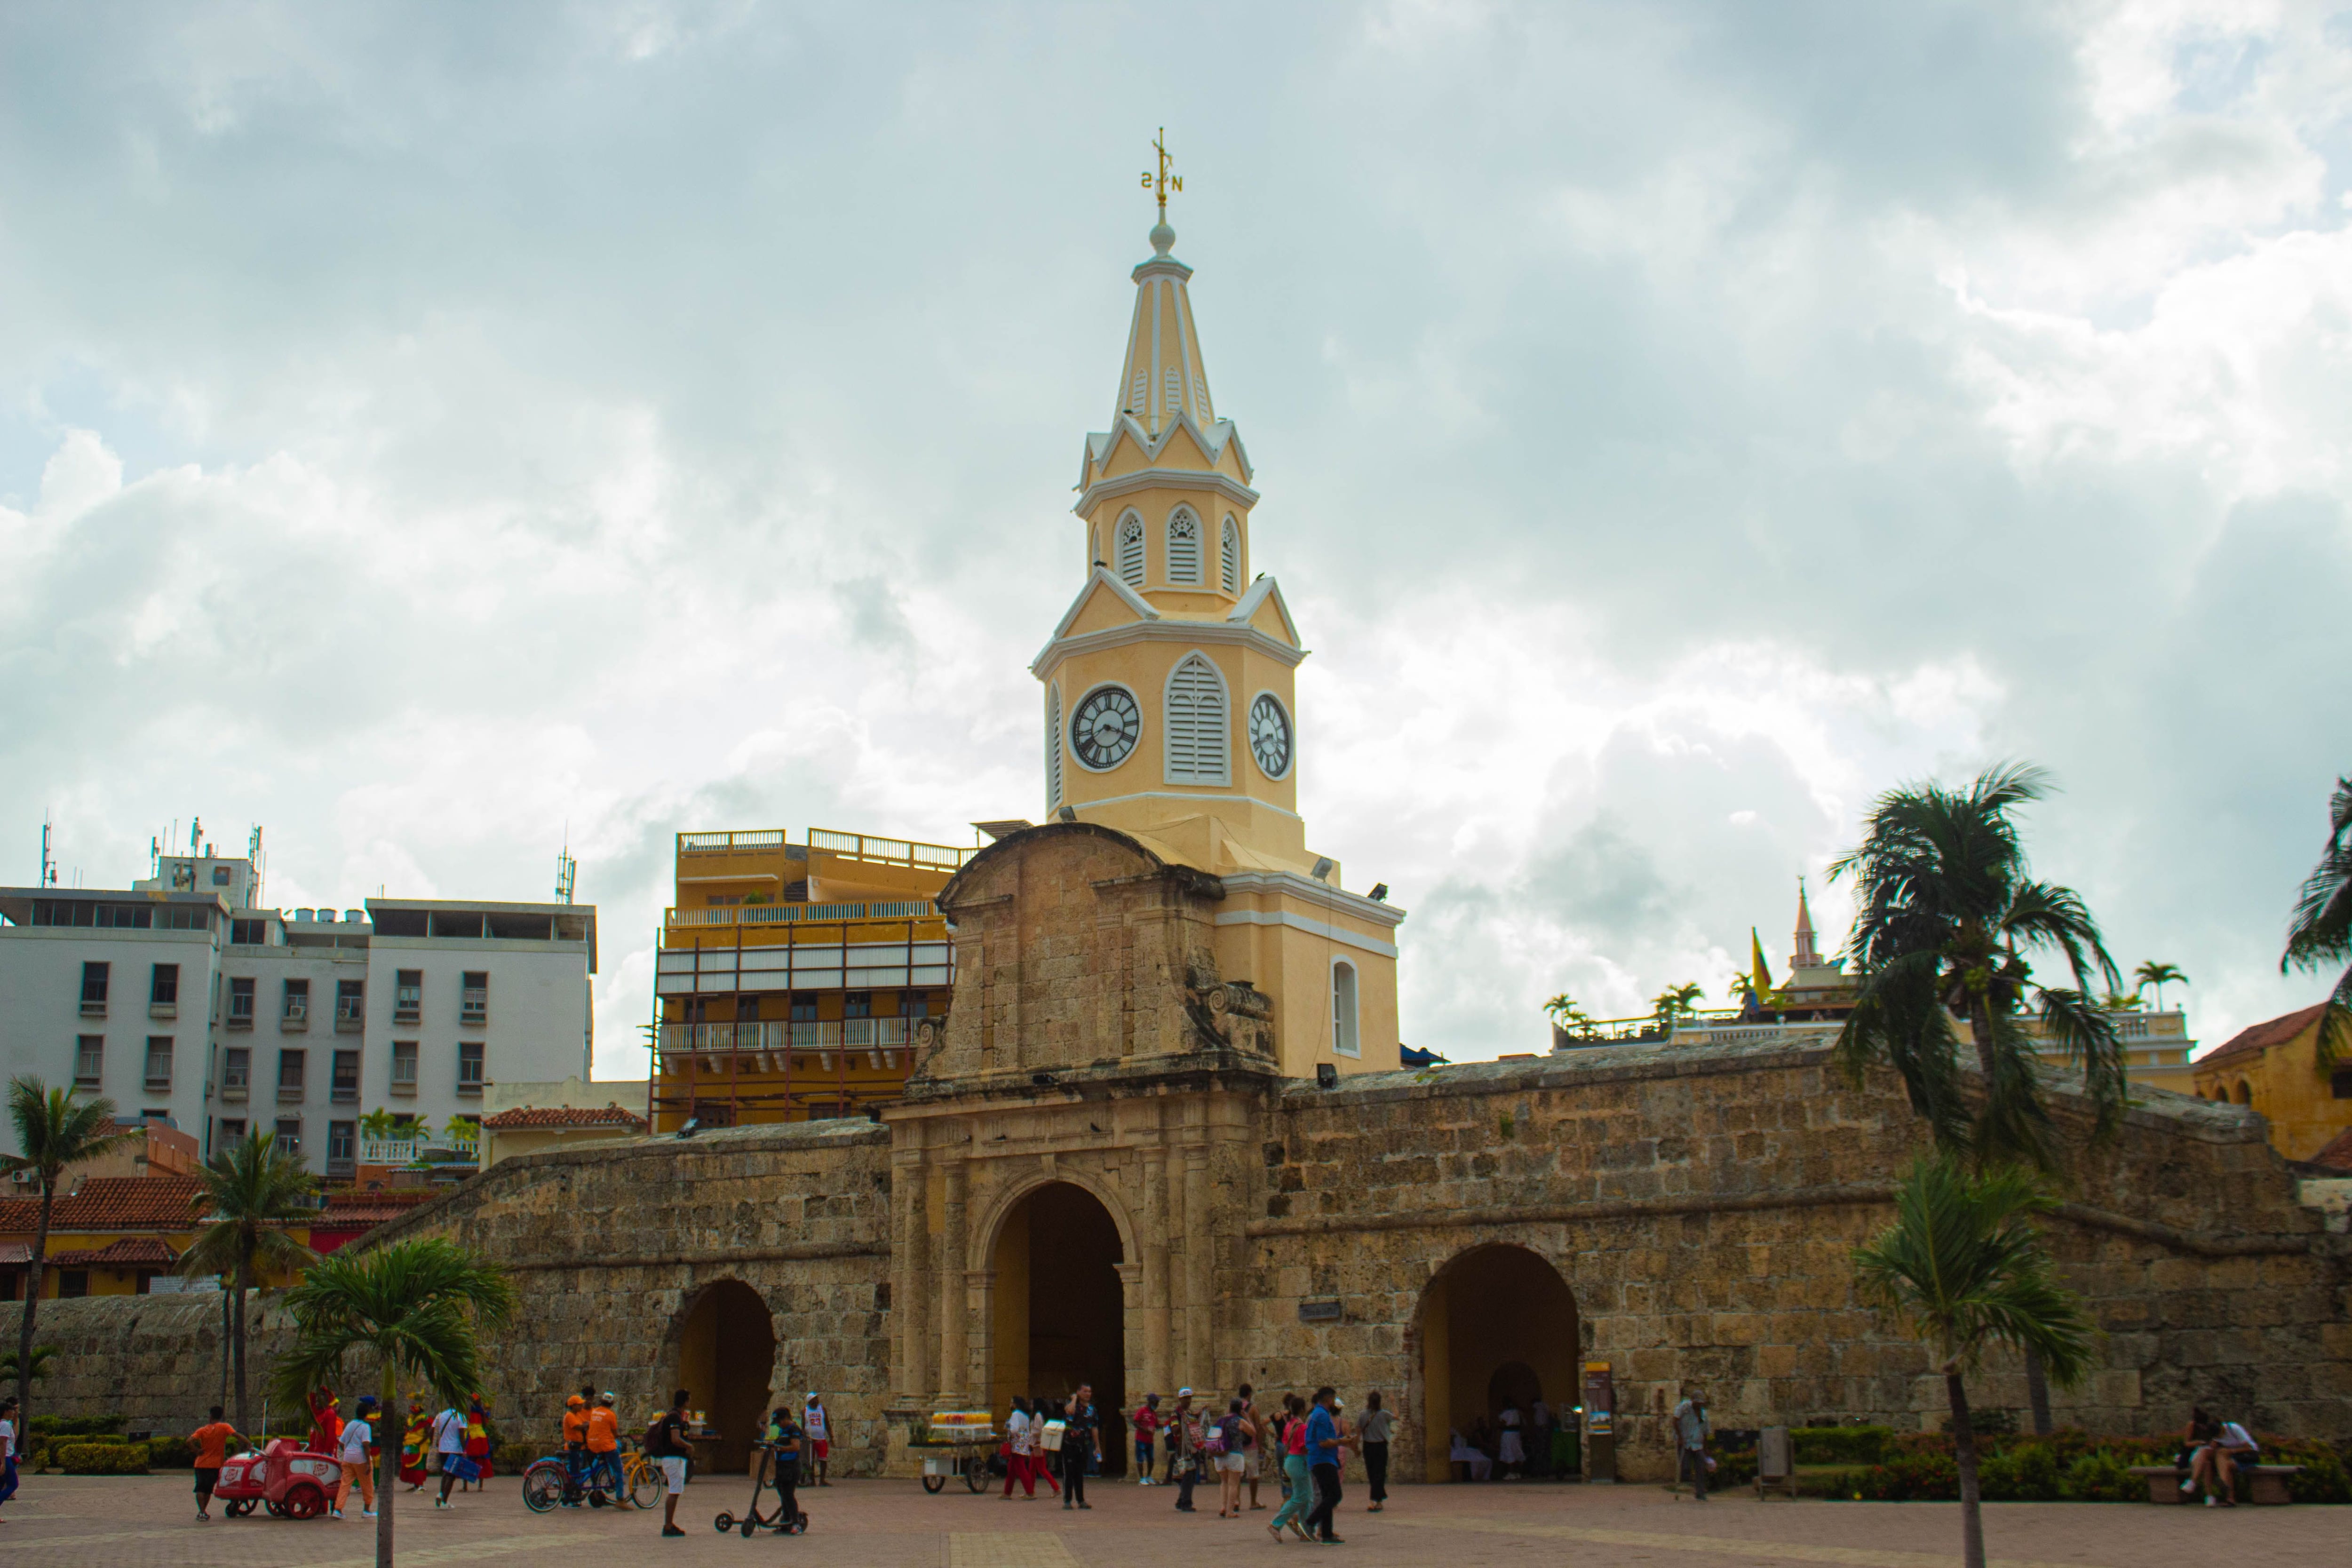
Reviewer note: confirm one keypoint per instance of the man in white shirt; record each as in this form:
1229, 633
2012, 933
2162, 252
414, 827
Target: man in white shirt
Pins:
449, 1443
2235, 1447
814, 1422
351, 1448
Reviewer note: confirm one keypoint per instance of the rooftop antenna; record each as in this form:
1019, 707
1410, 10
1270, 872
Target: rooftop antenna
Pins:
48, 862
196, 833
155, 855
253, 853
567, 870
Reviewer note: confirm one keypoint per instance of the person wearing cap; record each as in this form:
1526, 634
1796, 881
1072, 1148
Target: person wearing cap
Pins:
603, 1446
1690, 1438
819, 1428
1174, 1442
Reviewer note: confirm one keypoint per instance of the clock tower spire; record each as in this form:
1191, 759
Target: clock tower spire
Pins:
1170, 691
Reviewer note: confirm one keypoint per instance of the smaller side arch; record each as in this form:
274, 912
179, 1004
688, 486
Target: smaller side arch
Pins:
1130, 550
1229, 555
1185, 545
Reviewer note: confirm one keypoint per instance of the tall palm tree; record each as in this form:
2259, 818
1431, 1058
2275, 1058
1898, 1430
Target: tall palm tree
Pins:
416, 1306
2320, 934
1673, 1001
1963, 1270
247, 1194
2158, 975
1946, 918
55, 1130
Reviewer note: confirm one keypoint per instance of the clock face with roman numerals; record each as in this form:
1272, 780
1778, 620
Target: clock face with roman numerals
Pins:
1269, 735
1104, 730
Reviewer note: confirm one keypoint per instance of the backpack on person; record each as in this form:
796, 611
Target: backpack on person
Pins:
1214, 1445
657, 1437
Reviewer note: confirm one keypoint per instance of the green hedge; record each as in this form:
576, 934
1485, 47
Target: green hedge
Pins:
74, 1426
171, 1453
2071, 1465
1841, 1444
103, 1458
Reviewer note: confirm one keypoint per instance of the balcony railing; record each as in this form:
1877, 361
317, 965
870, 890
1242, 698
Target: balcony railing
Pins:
799, 914
884, 1041
711, 843
890, 851
409, 1150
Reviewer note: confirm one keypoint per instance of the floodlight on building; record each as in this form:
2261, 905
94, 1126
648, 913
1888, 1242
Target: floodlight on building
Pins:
1380, 893
1323, 866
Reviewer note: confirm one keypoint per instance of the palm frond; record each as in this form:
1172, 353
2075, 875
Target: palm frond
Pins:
2087, 1033
2042, 914
57, 1127
419, 1305
2319, 931
2012, 1124
1964, 1266
1899, 1022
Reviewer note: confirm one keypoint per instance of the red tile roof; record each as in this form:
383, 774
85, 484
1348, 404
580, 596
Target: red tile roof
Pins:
2262, 1037
131, 1252
565, 1116
2338, 1156
110, 1203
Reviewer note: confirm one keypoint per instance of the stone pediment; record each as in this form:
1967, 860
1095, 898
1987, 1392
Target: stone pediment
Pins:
1076, 947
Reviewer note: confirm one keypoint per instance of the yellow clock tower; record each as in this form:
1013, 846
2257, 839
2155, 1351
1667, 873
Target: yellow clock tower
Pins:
1170, 709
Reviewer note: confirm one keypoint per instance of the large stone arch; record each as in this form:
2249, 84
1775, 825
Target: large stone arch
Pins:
1488, 1308
722, 1347
983, 1237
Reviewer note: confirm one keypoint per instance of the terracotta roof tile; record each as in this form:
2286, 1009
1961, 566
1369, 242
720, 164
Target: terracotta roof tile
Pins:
132, 1251
565, 1116
110, 1203
2262, 1037
2338, 1156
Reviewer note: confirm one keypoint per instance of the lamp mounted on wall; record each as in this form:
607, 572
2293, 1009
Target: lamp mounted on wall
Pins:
1323, 866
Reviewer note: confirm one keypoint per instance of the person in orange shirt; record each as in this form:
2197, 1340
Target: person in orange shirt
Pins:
211, 1441
603, 1444
575, 1447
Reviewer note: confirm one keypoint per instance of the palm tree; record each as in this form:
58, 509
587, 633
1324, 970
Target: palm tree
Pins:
1964, 1271
2158, 975
1947, 915
1673, 1001
42, 1357
416, 1307
247, 1194
55, 1130
1566, 1015
2320, 935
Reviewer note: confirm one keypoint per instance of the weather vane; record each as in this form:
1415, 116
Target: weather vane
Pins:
1162, 183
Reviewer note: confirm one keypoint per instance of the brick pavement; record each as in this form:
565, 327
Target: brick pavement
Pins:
94, 1522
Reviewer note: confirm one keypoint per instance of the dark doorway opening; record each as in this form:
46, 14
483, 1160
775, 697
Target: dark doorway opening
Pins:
726, 1360
1060, 1310
1499, 1330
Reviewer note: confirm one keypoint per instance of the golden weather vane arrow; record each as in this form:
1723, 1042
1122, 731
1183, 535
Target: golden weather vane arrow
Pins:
1160, 184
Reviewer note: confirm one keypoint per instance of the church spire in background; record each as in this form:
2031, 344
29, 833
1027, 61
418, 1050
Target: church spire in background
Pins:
1804, 957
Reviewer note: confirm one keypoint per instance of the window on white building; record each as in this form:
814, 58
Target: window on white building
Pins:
89, 1061
469, 1066
290, 1135
474, 1001
236, 1071
159, 1063
290, 1068
403, 1067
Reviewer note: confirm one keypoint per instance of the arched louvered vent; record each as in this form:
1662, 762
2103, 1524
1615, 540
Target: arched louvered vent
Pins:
1229, 557
1184, 548
1130, 550
1196, 724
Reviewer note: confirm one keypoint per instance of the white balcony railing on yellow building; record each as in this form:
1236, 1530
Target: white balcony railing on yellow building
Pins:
864, 846
802, 914
883, 1043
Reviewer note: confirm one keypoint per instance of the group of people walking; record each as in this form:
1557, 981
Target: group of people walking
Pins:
1302, 1444
1043, 1434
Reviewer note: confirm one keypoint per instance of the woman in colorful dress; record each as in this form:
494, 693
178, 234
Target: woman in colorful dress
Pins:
478, 1436
412, 1445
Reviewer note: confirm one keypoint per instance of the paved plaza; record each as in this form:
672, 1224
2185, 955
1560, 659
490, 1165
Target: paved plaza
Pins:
70, 1522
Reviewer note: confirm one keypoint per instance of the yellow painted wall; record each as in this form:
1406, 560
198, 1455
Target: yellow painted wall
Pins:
2283, 1082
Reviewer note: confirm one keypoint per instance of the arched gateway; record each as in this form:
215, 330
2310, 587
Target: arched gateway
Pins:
1498, 1328
1059, 1305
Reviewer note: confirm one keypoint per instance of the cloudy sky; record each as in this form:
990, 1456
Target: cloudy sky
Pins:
428, 431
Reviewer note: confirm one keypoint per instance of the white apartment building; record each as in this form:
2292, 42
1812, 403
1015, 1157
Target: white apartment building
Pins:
176, 1000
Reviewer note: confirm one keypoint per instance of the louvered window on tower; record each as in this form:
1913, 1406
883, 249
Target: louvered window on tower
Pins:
1175, 389
1135, 400
1184, 548
1053, 749
1196, 724
1130, 550
1229, 557
1200, 401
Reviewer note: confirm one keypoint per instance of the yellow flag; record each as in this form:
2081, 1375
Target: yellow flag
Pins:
1758, 975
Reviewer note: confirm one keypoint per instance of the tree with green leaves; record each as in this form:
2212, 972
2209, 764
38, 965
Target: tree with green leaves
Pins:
417, 1309
55, 1129
248, 1196
2319, 935
2158, 975
1964, 1271
39, 1367
1566, 1015
1675, 1001
1947, 916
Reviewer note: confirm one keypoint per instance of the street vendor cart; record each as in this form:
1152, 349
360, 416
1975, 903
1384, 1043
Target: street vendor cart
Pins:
956, 1442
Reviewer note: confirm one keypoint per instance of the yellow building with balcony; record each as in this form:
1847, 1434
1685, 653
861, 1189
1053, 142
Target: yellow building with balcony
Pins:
795, 981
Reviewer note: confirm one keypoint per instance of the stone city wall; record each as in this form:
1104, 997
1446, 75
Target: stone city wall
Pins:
1703, 1205
155, 1360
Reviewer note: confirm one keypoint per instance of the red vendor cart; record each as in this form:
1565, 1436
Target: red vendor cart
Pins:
287, 1479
